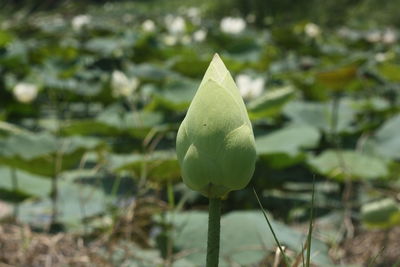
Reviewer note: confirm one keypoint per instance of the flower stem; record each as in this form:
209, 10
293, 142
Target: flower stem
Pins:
214, 217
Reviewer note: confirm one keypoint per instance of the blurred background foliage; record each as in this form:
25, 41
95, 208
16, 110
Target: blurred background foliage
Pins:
92, 94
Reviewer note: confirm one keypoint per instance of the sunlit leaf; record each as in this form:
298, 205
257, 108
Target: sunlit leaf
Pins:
75, 203
381, 214
39, 153
245, 247
344, 164
338, 79
26, 183
159, 165
319, 115
270, 103
390, 71
284, 147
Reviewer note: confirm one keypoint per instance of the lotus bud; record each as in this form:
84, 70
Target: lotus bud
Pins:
215, 142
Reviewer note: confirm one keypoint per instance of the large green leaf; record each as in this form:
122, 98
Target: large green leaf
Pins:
390, 71
26, 183
150, 72
75, 203
320, 115
115, 121
270, 103
103, 46
381, 214
39, 153
189, 63
338, 78
177, 94
245, 238
159, 165
284, 147
387, 139
348, 163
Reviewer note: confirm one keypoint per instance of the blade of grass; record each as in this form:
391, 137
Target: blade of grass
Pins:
310, 228
272, 230
371, 263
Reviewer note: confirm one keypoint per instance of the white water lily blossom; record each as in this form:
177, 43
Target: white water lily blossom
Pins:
389, 36
250, 87
121, 85
78, 22
170, 40
312, 30
373, 36
199, 35
193, 12
25, 92
232, 25
175, 25
380, 57
148, 25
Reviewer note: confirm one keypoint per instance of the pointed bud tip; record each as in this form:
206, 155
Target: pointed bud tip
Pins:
217, 58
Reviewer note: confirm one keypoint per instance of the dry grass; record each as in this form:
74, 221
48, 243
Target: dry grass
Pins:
21, 246
384, 245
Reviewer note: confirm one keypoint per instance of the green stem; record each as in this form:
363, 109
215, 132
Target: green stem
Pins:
214, 217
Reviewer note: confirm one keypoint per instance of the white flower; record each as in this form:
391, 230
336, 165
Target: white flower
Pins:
175, 25
249, 88
389, 36
199, 35
148, 25
170, 40
373, 36
80, 21
232, 25
25, 92
312, 30
380, 57
122, 85
193, 12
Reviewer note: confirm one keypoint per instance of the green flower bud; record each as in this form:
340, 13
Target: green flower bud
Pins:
215, 142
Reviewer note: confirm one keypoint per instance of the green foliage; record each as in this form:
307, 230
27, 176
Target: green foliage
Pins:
245, 238
39, 153
383, 213
349, 164
283, 147
109, 93
160, 166
271, 103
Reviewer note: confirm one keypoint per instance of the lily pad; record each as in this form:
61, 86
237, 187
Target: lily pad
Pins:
348, 163
285, 147
245, 238
381, 214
